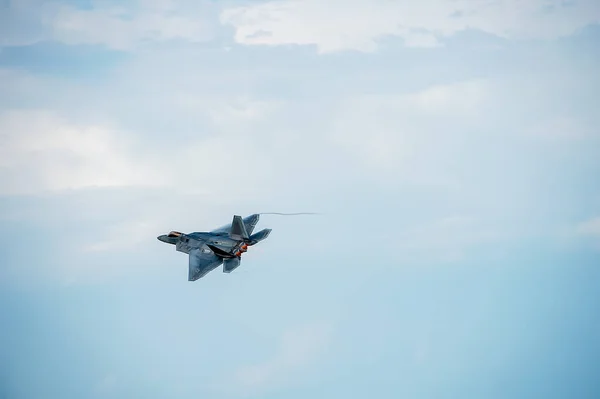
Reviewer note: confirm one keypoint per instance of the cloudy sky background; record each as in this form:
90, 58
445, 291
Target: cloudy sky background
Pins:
452, 148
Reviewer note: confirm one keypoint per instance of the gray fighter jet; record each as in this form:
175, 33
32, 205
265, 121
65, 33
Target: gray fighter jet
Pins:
225, 245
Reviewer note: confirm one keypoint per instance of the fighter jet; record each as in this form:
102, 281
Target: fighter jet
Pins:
225, 245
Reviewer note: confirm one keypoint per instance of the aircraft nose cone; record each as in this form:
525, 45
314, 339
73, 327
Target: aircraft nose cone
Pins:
162, 238
169, 240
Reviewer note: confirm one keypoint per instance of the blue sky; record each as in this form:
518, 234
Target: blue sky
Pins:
451, 147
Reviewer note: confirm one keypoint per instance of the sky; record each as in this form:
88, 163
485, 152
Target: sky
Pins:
450, 147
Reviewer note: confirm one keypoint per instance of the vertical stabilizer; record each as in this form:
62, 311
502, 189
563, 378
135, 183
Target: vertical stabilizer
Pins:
250, 222
238, 229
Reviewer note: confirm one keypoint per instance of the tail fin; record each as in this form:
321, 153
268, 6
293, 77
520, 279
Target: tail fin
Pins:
250, 222
238, 229
257, 237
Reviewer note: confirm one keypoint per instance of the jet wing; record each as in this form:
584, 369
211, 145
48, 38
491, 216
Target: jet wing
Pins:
201, 261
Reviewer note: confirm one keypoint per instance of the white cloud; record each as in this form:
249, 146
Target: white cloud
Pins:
332, 26
358, 24
402, 133
42, 151
298, 349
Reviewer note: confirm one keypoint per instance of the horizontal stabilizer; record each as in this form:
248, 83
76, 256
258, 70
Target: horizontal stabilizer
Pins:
238, 229
231, 264
257, 237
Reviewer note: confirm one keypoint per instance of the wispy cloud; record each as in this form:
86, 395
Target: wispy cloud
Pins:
405, 131
43, 152
359, 24
333, 27
46, 151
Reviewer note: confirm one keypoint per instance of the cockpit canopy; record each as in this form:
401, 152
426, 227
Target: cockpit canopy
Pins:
174, 234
